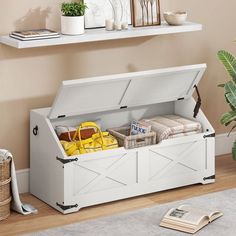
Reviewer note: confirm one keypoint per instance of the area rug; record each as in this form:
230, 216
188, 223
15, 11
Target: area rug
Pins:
145, 222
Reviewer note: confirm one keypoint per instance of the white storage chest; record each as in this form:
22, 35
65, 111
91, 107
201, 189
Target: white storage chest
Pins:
70, 183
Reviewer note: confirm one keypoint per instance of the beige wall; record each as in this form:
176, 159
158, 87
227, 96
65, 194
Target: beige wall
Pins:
30, 77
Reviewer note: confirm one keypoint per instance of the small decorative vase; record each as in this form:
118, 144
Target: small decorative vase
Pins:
72, 25
234, 150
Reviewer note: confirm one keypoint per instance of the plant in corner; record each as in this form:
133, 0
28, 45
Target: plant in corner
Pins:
72, 19
229, 62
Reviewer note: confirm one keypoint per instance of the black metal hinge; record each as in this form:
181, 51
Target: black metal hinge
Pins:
64, 208
61, 116
210, 177
209, 135
65, 161
198, 103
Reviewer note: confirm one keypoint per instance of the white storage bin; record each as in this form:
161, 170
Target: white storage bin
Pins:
70, 183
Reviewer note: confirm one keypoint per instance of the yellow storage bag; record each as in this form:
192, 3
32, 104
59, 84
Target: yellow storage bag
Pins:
99, 141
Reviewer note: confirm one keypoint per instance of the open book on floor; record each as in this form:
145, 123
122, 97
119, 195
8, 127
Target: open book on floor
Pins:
188, 219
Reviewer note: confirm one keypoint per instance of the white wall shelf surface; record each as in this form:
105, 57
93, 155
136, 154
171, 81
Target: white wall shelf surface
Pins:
94, 35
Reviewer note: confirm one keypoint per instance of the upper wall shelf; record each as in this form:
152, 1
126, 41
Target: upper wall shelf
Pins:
101, 34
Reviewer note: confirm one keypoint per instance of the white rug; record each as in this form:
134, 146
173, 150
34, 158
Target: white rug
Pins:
145, 222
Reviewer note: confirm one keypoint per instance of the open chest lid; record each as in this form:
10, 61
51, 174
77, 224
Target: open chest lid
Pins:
112, 92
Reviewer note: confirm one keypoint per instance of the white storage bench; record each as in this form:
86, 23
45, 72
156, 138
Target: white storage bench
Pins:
70, 183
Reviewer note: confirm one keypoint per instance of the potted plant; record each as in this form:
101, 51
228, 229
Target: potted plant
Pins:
72, 19
229, 62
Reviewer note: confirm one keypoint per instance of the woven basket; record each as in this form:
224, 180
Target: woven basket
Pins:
128, 141
5, 190
5, 172
5, 208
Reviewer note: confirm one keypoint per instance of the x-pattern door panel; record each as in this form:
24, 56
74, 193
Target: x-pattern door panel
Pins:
105, 173
173, 160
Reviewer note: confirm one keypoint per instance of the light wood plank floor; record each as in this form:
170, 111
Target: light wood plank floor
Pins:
47, 217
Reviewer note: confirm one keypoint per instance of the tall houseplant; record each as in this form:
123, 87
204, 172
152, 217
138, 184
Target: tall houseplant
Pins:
72, 19
229, 62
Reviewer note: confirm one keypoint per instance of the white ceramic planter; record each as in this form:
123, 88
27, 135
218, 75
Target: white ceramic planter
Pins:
72, 25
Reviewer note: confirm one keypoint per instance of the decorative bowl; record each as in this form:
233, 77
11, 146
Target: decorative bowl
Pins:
175, 18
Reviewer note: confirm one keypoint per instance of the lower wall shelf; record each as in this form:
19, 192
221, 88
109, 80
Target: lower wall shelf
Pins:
94, 35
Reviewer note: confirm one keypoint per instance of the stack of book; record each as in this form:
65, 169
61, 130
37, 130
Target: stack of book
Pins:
34, 34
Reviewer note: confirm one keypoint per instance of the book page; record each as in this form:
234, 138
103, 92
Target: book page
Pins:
187, 214
211, 214
214, 215
178, 227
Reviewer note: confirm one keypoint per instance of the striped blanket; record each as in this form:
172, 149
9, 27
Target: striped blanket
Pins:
173, 126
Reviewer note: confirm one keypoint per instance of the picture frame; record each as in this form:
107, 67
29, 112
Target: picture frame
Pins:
146, 13
101, 10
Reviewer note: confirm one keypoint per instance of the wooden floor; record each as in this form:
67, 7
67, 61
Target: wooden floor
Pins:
47, 217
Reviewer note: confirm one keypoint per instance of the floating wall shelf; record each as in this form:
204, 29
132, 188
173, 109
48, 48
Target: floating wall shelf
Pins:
94, 35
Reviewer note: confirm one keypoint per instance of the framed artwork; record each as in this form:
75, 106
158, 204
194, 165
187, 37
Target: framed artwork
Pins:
101, 10
146, 12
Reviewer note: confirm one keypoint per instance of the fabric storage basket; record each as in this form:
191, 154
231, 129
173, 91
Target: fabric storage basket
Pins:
5, 208
5, 188
122, 134
5, 169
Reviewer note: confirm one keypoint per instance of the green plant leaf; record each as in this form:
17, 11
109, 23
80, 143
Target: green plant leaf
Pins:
228, 117
230, 93
226, 99
234, 151
229, 63
73, 8
231, 130
221, 85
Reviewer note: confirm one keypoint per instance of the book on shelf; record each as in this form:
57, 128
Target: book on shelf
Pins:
188, 219
34, 34
33, 38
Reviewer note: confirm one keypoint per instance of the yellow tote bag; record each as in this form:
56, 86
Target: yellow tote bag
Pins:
99, 141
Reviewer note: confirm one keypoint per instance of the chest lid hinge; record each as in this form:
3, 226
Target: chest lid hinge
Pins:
65, 161
209, 177
64, 208
198, 104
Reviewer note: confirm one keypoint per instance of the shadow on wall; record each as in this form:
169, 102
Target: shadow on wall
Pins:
14, 126
34, 19
7, 52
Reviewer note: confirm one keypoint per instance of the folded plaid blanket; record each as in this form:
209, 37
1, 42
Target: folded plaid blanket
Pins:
172, 126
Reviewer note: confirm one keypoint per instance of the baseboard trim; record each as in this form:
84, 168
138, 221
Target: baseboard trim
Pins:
224, 143
23, 180
223, 146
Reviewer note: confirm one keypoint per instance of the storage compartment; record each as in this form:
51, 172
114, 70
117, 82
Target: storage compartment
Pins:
70, 183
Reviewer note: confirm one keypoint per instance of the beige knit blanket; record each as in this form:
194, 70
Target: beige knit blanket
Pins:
173, 126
